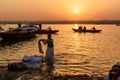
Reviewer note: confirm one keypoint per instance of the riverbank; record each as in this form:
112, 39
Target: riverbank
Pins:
39, 74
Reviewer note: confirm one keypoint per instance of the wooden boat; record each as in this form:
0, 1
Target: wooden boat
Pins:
117, 24
87, 30
17, 34
28, 27
38, 30
46, 31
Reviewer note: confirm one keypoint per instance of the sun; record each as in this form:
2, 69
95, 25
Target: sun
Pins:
76, 10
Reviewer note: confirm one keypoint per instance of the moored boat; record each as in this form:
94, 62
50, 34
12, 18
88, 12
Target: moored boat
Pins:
17, 34
28, 27
38, 30
117, 24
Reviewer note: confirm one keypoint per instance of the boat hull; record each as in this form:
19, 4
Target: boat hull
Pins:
38, 30
91, 31
47, 31
13, 36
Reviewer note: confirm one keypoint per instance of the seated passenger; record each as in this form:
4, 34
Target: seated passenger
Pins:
80, 28
84, 28
94, 28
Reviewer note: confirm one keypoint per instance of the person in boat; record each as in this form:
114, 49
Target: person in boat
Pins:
94, 28
49, 28
40, 26
84, 28
50, 48
80, 28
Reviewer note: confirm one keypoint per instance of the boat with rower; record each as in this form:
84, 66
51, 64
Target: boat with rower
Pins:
87, 30
46, 31
93, 30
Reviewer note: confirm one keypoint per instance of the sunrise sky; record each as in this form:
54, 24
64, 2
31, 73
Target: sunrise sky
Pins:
59, 9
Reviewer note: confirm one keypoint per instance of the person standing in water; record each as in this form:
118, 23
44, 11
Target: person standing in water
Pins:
50, 47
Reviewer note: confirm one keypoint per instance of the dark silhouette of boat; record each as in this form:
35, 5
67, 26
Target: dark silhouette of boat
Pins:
46, 31
117, 24
17, 34
87, 30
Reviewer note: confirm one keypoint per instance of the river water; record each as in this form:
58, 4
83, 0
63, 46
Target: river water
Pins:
75, 53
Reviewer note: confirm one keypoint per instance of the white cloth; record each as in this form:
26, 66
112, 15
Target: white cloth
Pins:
34, 61
26, 58
50, 53
37, 58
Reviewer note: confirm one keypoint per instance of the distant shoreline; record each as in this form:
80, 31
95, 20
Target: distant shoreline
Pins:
117, 22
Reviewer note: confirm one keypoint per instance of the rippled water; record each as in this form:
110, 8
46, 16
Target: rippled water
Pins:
75, 53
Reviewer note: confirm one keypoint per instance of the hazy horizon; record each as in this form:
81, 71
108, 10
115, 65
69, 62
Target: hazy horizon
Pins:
44, 10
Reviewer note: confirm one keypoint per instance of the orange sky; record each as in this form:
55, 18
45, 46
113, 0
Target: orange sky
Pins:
59, 9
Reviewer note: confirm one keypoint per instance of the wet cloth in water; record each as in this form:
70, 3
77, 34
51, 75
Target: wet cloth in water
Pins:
33, 61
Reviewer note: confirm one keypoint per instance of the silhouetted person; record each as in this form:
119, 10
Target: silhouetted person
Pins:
94, 28
50, 48
19, 24
49, 28
80, 28
40, 26
84, 28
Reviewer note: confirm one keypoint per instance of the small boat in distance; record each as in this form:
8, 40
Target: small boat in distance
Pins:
86, 30
117, 24
45, 31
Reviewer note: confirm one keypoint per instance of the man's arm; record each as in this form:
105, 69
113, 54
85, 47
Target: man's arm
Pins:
45, 42
40, 46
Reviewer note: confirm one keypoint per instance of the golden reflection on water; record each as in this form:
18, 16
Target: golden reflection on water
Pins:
75, 53
76, 26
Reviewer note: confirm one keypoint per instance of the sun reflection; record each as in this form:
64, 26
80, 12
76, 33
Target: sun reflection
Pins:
76, 26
